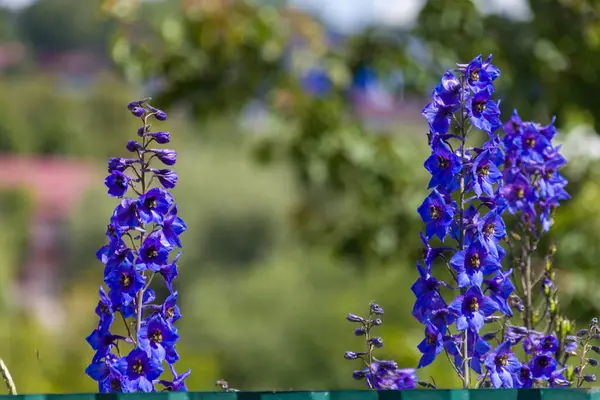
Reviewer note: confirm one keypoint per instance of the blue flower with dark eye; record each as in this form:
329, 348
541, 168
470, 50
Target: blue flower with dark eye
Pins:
167, 177
548, 344
154, 205
483, 111
102, 341
471, 264
519, 194
485, 174
159, 338
523, 378
542, 366
500, 288
123, 280
117, 183
426, 290
501, 364
431, 346
104, 310
444, 167
169, 310
437, 214
492, 230
481, 74
152, 254
141, 370
472, 308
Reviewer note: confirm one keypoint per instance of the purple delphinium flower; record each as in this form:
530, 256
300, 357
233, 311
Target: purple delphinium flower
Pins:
444, 166
481, 73
472, 308
431, 345
542, 366
471, 264
117, 183
141, 234
483, 111
485, 174
523, 378
500, 288
437, 214
501, 364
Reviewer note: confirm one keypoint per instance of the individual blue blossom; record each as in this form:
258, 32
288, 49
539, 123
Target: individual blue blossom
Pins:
172, 228
154, 205
430, 253
107, 374
444, 167
483, 111
120, 164
477, 349
431, 346
169, 309
449, 91
104, 310
126, 215
138, 111
501, 364
160, 115
500, 288
152, 254
438, 116
558, 380
102, 341
170, 272
141, 370
519, 194
117, 183
123, 280
471, 264
485, 174
548, 344
472, 308
523, 378
159, 338
177, 384
134, 146
437, 214
542, 366
387, 376
492, 230
481, 73
426, 290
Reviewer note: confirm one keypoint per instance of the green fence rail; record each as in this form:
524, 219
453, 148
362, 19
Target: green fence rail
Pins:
480, 394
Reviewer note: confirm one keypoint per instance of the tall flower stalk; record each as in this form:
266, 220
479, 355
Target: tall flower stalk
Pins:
143, 232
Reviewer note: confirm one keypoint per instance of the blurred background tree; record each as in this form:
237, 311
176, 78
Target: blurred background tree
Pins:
301, 152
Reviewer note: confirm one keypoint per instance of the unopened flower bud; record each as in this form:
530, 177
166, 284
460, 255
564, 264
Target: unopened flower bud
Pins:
358, 374
133, 146
138, 111
593, 362
596, 349
350, 355
376, 309
376, 341
489, 336
582, 332
360, 331
354, 318
377, 322
589, 378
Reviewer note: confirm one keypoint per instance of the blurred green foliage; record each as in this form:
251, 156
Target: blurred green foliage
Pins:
268, 258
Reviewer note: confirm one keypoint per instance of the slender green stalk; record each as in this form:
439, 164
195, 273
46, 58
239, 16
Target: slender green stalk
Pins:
8, 381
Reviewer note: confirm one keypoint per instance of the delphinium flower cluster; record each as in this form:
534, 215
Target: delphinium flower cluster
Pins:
142, 234
378, 374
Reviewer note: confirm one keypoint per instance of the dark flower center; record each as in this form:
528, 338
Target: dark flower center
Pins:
125, 280
474, 75
489, 229
475, 261
115, 384
119, 180
548, 344
431, 338
530, 142
442, 162
502, 359
484, 170
150, 202
543, 362
157, 336
111, 231
520, 193
152, 252
524, 373
170, 312
104, 309
138, 367
474, 304
515, 125
434, 212
480, 106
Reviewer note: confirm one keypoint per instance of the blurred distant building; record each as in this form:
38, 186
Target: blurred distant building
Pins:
56, 185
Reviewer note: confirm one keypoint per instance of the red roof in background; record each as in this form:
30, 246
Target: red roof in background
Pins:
56, 183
